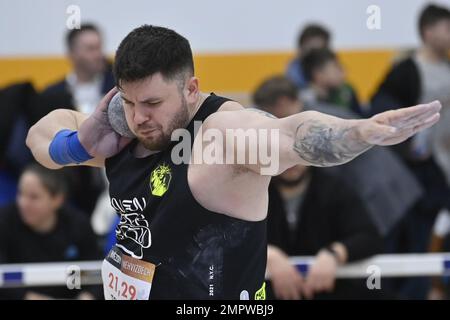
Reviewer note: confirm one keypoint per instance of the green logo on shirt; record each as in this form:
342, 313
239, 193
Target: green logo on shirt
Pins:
261, 293
160, 180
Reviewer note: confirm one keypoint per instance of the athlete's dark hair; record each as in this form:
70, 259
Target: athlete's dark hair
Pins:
430, 15
74, 33
272, 89
316, 59
150, 49
313, 31
52, 180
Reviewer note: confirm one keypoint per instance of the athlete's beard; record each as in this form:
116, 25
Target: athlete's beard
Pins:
162, 140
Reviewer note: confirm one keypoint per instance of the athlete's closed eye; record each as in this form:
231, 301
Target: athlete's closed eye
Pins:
153, 103
127, 102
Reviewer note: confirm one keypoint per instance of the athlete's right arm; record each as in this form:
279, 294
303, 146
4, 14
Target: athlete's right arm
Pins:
94, 137
42, 133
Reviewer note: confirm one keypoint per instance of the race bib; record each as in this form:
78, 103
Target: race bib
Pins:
126, 278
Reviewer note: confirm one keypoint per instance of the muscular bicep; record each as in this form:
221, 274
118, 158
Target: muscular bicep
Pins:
42, 133
249, 138
270, 145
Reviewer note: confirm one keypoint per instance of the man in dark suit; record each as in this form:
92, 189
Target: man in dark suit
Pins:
81, 90
91, 77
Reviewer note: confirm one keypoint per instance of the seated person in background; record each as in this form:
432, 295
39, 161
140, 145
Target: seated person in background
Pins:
39, 228
327, 82
312, 36
312, 213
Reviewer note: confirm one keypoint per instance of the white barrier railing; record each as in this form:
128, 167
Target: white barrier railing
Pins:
389, 265
49, 274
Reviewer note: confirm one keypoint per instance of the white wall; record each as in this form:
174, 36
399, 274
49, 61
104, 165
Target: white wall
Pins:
30, 27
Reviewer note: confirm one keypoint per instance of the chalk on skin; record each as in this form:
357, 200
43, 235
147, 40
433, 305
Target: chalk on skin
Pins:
116, 117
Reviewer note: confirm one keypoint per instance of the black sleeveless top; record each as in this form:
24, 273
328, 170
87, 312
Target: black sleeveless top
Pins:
199, 254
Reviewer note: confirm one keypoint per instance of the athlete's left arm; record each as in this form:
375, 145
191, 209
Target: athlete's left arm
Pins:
317, 139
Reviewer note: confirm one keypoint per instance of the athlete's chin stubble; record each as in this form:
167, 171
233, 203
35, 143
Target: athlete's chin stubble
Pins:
158, 143
163, 139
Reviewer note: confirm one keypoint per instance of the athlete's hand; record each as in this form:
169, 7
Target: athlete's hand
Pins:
96, 134
395, 126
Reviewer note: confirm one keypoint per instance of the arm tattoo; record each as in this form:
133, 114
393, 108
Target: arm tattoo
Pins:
323, 144
267, 114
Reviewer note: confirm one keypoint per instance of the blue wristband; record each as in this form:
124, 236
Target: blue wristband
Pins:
66, 148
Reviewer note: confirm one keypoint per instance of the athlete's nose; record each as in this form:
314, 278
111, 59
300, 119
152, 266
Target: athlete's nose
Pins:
140, 115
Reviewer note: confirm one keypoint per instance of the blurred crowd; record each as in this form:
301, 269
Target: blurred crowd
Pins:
389, 200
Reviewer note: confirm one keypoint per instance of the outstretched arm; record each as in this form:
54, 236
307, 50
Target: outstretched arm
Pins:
323, 140
316, 139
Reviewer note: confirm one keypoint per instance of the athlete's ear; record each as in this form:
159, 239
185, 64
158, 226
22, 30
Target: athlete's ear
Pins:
191, 90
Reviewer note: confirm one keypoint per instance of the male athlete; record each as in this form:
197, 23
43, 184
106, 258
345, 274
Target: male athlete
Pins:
195, 230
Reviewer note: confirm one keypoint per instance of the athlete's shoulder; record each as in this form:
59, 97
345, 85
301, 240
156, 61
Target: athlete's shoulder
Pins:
233, 115
223, 115
230, 105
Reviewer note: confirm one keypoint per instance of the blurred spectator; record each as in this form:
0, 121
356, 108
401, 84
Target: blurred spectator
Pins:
313, 36
312, 213
327, 84
381, 180
16, 101
40, 228
422, 77
82, 89
91, 77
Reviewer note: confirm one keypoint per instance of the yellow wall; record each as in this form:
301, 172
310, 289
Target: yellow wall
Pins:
217, 72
